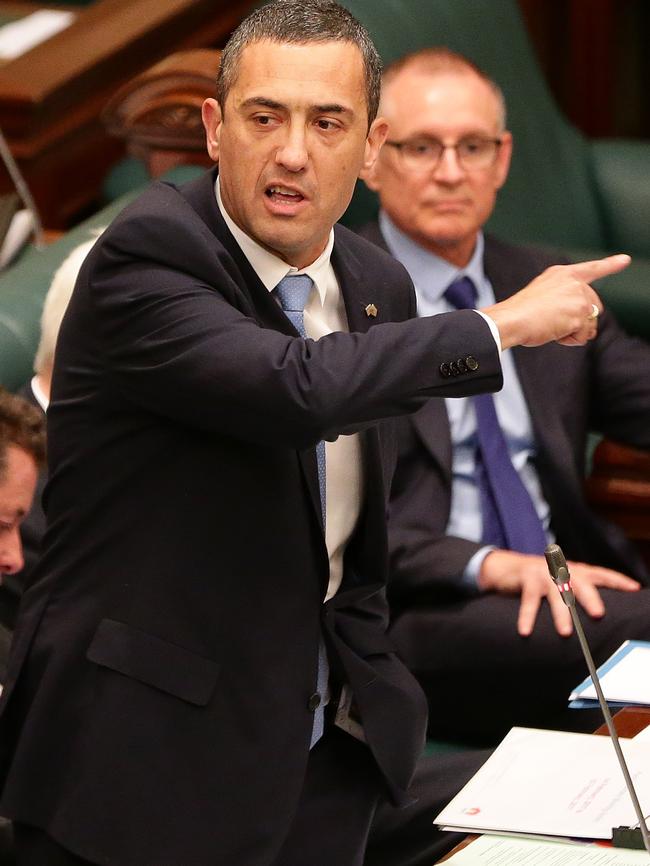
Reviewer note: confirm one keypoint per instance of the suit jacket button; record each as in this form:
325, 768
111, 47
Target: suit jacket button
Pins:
444, 371
462, 366
453, 368
471, 362
314, 702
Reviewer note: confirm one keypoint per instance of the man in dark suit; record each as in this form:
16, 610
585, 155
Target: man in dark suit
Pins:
476, 616
200, 672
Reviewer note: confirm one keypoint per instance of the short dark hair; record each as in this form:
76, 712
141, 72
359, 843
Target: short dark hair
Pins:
22, 425
301, 22
438, 59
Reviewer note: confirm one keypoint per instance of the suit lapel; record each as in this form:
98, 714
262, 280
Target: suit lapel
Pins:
534, 368
261, 306
259, 303
431, 423
356, 296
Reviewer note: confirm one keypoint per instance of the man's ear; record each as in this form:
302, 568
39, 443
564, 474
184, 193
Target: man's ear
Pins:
211, 114
503, 159
371, 176
376, 137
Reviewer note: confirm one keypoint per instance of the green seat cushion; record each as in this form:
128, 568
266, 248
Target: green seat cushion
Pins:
24, 284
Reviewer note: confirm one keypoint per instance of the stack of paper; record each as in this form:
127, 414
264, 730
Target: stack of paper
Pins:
501, 851
554, 784
624, 679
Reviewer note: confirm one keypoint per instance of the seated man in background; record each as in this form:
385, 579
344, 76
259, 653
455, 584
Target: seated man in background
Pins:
37, 392
486, 482
22, 453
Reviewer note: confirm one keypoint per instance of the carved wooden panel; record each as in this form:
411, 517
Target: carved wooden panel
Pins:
51, 97
158, 113
619, 490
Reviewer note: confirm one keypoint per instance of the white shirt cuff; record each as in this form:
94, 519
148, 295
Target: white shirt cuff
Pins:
493, 329
469, 578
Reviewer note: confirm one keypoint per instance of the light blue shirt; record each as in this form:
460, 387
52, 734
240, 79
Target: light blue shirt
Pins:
431, 276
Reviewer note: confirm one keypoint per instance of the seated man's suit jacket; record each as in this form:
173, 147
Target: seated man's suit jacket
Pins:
442, 630
157, 709
570, 391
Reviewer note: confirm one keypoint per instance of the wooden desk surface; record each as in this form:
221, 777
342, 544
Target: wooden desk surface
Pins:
628, 722
51, 97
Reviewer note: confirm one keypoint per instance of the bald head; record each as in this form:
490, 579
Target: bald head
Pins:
430, 62
447, 152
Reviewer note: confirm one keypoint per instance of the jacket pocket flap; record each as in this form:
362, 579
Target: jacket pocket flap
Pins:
153, 661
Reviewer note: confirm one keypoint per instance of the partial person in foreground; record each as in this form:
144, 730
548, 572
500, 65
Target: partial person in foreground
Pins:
485, 483
200, 672
37, 392
22, 453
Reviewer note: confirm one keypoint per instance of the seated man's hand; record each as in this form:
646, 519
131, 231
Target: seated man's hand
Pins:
512, 573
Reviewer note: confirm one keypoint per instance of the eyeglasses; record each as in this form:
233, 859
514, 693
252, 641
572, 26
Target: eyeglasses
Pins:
472, 152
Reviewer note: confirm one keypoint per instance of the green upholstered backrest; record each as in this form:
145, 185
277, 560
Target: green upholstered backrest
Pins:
550, 195
622, 172
563, 192
24, 284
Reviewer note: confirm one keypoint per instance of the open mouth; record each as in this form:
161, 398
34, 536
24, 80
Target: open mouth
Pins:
283, 195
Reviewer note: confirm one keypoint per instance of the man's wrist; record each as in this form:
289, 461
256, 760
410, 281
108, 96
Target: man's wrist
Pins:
471, 575
494, 330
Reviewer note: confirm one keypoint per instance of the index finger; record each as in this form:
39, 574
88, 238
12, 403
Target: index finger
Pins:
560, 614
528, 610
588, 271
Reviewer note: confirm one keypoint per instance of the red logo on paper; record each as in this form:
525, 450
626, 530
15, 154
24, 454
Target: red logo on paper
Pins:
471, 810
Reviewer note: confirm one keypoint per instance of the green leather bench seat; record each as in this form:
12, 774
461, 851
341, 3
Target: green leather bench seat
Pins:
24, 284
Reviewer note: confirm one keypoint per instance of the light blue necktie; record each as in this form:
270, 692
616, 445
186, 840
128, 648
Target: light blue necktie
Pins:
293, 293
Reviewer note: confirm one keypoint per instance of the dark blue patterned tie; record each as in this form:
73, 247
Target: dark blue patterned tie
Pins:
510, 520
293, 293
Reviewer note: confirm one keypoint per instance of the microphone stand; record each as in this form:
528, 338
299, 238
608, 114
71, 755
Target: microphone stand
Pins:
624, 836
22, 190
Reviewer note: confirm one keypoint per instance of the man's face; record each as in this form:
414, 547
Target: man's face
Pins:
292, 142
442, 206
16, 493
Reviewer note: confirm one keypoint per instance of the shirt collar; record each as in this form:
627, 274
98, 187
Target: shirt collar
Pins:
39, 394
431, 274
269, 267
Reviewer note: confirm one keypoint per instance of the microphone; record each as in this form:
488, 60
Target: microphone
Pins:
622, 837
23, 190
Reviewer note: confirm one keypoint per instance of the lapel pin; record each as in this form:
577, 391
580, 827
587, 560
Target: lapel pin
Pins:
371, 310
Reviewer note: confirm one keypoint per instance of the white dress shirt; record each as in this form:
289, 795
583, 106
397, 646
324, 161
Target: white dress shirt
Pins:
324, 313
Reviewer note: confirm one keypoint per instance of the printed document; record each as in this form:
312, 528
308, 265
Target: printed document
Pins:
552, 783
502, 851
624, 678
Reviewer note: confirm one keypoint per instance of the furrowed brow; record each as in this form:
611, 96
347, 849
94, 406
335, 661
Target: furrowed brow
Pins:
262, 102
332, 108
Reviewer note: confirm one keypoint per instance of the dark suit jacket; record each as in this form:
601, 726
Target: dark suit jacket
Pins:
570, 391
157, 707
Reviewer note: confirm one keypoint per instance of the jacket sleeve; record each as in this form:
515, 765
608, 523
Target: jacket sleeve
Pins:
179, 338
